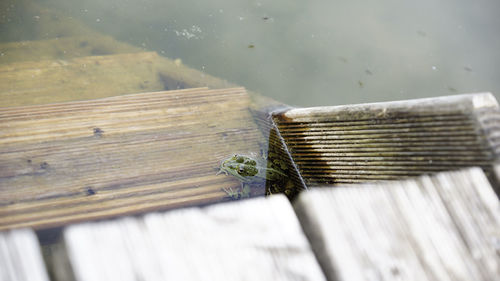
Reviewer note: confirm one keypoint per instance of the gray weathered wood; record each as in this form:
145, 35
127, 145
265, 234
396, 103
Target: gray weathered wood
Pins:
391, 140
20, 256
256, 239
442, 227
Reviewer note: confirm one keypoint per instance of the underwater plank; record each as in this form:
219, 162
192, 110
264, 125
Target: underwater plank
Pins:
76, 161
391, 140
255, 239
82, 78
64, 48
20, 256
37, 21
441, 227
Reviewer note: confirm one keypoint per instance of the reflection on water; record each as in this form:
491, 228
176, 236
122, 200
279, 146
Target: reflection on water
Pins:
313, 52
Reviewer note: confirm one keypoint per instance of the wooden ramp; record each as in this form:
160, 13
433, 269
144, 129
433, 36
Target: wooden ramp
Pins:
62, 163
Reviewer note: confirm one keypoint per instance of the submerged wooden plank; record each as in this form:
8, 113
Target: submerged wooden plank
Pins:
391, 140
20, 256
257, 239
32, 20
442, 227
61, 163
82, 78
63, 48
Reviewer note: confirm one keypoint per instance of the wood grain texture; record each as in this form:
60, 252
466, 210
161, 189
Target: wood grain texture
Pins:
256, 239
68, 162
442, 227
391, 140
20, 257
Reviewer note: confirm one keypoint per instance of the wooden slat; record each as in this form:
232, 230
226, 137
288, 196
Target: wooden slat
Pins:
391, 140
41, 82
442, 227
257, 239
20, 257
76, 161
64, 48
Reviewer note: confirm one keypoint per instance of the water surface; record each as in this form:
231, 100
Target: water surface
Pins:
309, 53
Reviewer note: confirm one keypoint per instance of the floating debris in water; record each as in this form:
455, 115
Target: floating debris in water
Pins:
342, 59
194, 32
451, 89
361, 84
421, 33
367, 71
251, 46
466, 68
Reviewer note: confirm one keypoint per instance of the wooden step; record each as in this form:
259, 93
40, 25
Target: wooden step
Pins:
68, 162
392, 140
63, 48
41, 82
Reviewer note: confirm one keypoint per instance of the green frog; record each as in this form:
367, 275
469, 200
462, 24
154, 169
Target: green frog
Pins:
248, 171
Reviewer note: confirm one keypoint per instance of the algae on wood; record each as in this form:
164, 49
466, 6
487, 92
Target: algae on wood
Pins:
40, 82
63, 48
391, 140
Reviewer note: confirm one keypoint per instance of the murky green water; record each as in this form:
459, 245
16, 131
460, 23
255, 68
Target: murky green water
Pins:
310, 53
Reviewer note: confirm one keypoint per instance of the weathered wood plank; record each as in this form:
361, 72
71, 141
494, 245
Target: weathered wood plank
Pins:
63, 48
442, 227
41, 82
20, 256
257, 239
391, 140
61, 163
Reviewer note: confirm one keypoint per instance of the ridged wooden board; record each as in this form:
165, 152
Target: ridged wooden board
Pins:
392, 140
442, 227
81, 78
68, 162
256, 239
20, 257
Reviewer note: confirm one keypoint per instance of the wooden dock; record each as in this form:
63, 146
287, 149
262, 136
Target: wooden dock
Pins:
108, 171
441, 227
